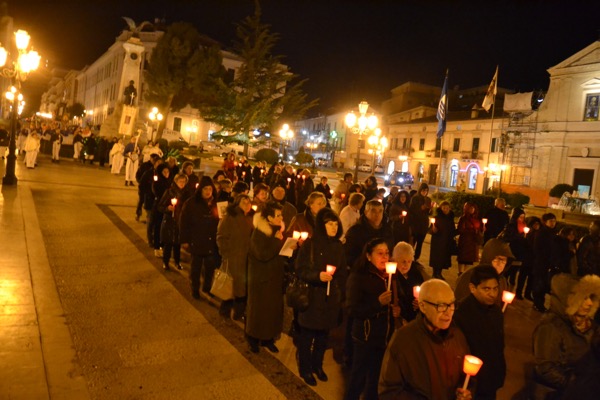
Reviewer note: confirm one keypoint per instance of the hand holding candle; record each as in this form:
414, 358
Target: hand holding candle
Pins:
173, 203
296, 235
303, 235
471, 367
255, 207
507, 298
526, 230
432, 221
390, 268
330, 269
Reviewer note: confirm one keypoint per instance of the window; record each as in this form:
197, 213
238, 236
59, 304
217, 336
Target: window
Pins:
229, 76
495, 145
177, 124
405, 143
421, 144
591, 107
456, 146
475, 144
438, 144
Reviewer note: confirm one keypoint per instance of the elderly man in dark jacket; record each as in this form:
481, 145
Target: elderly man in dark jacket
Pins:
482, 322
424, 358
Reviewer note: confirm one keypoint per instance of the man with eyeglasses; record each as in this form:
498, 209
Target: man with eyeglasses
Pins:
424, 358
482, 322
496, 253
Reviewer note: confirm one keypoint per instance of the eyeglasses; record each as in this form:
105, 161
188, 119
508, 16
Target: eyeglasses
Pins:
442, 307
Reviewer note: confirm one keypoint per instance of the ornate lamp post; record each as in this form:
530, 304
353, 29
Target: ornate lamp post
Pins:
360, 125
24, 63
155, 117
378, 145
286, 135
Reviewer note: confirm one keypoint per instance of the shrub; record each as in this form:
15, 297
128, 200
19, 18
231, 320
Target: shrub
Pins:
457, 201
560, 189
270, 156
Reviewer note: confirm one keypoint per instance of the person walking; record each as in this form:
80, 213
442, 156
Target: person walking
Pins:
469, 229
56, 138
264, 312
169, 228
116, 157
233, 238
198, 235
32, 147
132, 155
326, 293
419, 209
443, 245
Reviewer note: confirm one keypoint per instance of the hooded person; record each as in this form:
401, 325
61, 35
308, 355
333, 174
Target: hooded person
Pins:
496, 253
564, 335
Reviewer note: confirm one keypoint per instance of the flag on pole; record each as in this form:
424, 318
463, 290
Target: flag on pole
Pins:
442, 109
490, 96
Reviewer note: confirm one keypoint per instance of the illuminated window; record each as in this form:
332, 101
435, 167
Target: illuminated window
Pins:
591, 107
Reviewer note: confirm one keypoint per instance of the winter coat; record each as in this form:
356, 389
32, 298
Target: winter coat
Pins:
483, 326
304, 187
588, 255
145, 188
264, 312
302, 222
372, 322
497, 220
198, 226
419, 213
257, 175
326, 190
360, 234
315, 254
557, 345
233, 239
469, 229
159, 187
443, 246
419, 364
545, 251
169, 228
404, 289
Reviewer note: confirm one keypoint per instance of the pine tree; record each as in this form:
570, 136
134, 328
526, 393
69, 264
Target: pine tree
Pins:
263, 92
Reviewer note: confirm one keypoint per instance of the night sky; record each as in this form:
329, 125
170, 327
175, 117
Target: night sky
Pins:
348, 50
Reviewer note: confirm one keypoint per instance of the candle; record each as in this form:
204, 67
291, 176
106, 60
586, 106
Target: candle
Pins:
416, 291
404, 213
173, 203
296, 235
298, 176
197, 184
289, 180
262, 171
282, 227
244, 174
390, 268
526, 230
484, 220
343, 195
471, 367
254, 207
331, 191
330, 269
304, 235
155, 178
507, 298
432, 220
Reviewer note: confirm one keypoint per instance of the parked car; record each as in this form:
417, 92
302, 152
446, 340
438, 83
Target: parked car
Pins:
364, 167
379, 169
399, 178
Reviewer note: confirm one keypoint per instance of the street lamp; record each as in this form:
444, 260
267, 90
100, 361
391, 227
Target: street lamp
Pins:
360, 125
286, 134
26, 62
378, 145
155, 116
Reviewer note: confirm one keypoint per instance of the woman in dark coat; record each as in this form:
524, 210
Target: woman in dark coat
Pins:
304, 187
324, 188
323, 312
198, 235
193, 181
370, 305
264, 314
169, 229
370, 188
442, 240
399, 203
233, 239
469, 230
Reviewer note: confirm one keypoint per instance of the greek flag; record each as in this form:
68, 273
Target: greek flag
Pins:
442, 109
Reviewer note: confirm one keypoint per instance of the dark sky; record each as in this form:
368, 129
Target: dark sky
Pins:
348, 50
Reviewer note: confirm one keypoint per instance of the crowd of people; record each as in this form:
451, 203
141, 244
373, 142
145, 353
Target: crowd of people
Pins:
357, 228
399, 343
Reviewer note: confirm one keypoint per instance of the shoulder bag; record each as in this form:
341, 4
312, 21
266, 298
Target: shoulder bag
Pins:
222, 284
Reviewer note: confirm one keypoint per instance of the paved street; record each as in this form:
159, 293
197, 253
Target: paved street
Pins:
86, 310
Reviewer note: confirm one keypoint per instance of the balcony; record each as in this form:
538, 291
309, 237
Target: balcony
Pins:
435, 153
471, 155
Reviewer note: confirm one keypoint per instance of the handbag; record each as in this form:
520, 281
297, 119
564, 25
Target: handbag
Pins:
222, 284
296, 294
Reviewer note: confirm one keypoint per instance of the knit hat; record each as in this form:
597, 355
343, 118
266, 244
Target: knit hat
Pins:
423, 186
493, 248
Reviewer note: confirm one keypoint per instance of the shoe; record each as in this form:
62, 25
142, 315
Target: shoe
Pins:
179, 267
126, 183
137, 218
272, 348
541, 309
309, 379
196, 294
253, 346
131, 184
166, 267
321, 374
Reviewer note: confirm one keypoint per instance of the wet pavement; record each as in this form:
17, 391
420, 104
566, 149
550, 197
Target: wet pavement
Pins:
86, 310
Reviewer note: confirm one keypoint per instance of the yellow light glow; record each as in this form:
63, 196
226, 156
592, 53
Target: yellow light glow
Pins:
22, 39
373, 121
3, 56
350, 120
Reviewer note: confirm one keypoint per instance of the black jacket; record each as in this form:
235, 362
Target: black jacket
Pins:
198, 226
360, 234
